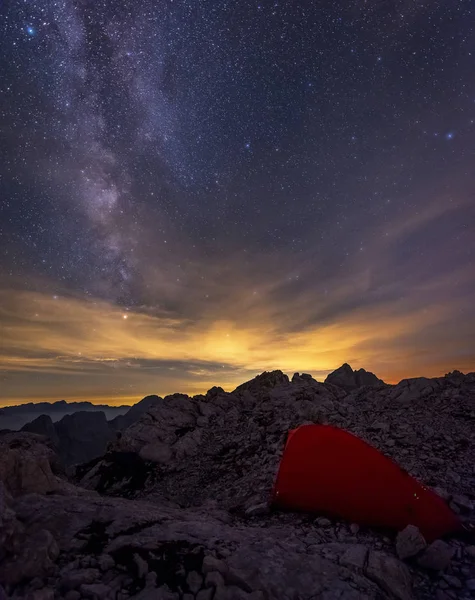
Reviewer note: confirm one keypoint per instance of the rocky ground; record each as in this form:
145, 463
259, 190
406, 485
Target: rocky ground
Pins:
178, 507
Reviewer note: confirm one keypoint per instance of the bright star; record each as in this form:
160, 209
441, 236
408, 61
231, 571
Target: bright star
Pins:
450, 136
30, 30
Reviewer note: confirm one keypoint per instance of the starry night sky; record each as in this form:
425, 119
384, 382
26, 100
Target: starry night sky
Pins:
194, 191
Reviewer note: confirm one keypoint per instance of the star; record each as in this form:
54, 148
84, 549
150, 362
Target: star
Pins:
266, 168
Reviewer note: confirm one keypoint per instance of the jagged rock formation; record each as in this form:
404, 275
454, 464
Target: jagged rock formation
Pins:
133, 414
348, 379
29, 464
83, 436
228, 446
78, 438
43, 425
183, 508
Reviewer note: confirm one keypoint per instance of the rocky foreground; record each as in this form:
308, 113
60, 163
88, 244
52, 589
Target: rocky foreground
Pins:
178, 507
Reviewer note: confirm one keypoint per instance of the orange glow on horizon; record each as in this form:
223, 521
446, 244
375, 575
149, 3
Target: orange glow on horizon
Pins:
75, 349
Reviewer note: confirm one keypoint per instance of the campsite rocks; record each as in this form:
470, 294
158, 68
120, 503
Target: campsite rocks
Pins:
184, 510
409, 542
188, 550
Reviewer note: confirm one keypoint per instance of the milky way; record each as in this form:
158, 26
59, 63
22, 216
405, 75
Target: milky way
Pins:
230, 166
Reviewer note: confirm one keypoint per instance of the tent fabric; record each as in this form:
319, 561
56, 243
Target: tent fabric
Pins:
329, 470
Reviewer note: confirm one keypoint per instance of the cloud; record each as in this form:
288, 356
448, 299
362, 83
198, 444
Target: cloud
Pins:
67, 346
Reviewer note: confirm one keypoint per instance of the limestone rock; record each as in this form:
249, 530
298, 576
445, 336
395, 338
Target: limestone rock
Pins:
355, 556
409, 542
25, 464
37, 555
262, 382
391, 574
121, 422
437, 556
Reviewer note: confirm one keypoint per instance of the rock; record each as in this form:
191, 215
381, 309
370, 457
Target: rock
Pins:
437, 556
206, 594
75, 579
106, 562
214, 579
470, 550
142, 566
161, 593
409, 542
257, 510
355, 556
348, 379
441, 595
156, 452
46, 593
409, 390
230, 593
36, 558
210, 564
83, 436
463, 502
452, 581
72, 595
43, 425
323, 522
262, 382
390, 574
26, 464
194, 581
470, 584
96, 591
134, 413
453, 476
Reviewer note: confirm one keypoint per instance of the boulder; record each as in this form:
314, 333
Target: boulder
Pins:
35, 559
25, 465
437, 556
390, 574
409, 542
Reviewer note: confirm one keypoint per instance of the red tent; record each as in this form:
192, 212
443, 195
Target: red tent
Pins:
328, 470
